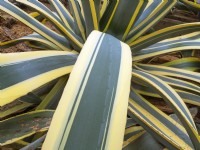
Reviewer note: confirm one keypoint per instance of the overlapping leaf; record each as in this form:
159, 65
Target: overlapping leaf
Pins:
174, 101
181, 43
25, 72
98, 87
19, 127
96, 93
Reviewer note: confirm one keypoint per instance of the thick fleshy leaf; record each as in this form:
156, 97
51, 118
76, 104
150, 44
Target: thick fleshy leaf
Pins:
79, 21
30, 71
169, 71
180, 43
173, 100
154, 11
90, 11
104, 105
120, 15
186, 96
46, 9
158, 124
190, 63
181, 84
63, 13
163, 34
193, 112
19, 127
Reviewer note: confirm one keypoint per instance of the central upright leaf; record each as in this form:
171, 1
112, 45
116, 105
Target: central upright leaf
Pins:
95, 98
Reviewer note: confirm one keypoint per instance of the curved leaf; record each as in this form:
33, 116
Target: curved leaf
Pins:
78, 18
180, 43
154, 11
190, 63
63, 13
24, 72
19, 127
186, 96
174, 100
163, 34
75, 41
31, 38
169, 71
191, 4
38, 27
158, 124
14, 109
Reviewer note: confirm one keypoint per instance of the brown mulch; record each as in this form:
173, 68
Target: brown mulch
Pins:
10, 29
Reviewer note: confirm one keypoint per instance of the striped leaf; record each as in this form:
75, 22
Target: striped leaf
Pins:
75, 41
38, 27
111, 22
19, 127
163, 34
153, 12
78, 18
181, 84
132, 134
94, 102
173, 100
180, 43
36, 38
45, 9
91, 11
13, 109
169, 71
158, 124
63, 13
193, 112
104, 105
131, 131
190, 63
191, 4
186, 96
103, 7
25, 72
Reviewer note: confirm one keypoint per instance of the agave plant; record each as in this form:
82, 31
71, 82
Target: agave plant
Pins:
105, 47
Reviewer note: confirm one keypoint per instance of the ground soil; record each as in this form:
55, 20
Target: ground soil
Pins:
10, 29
